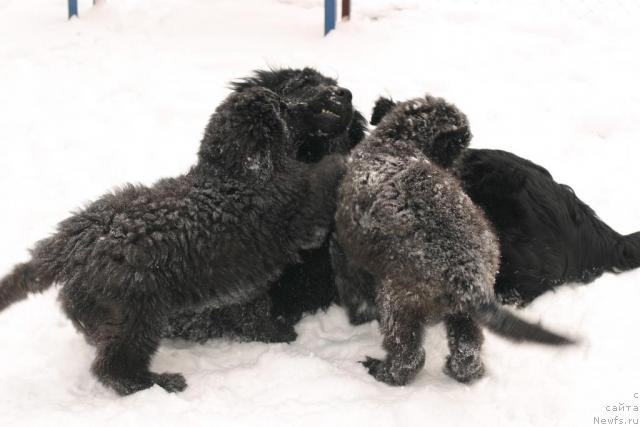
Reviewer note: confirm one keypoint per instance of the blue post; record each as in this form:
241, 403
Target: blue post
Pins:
73, 8
329, 15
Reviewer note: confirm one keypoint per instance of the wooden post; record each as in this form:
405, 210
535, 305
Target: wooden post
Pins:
329, 16
73, 8
346, 9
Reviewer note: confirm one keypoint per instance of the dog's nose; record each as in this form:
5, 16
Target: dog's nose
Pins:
343, 94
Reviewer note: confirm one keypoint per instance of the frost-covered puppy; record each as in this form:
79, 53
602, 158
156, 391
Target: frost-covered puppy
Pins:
404, 219
220, 234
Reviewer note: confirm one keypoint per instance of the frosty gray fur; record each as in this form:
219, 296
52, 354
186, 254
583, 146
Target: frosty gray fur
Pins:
218, 235
404, 219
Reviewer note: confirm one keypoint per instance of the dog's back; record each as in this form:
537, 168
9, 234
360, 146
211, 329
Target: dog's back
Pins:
548, 236
408, 209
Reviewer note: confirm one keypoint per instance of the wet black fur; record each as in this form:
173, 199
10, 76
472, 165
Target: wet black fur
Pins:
429, 253
308, 286
548, 236
218, 235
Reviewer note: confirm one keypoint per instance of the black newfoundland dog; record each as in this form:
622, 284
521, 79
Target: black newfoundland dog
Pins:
327, 124
220, 234
404, 218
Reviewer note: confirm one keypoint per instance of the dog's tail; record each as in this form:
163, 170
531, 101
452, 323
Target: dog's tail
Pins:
22, 281
627, 253
504, 323
381, 108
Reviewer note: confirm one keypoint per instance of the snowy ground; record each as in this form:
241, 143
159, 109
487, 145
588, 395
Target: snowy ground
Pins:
123, 94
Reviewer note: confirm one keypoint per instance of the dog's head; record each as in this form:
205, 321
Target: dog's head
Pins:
247, 135
321, 117
438, 128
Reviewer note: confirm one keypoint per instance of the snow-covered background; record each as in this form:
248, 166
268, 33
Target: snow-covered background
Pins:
123, 94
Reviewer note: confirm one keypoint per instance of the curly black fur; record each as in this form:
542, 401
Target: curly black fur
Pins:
404, 218
220, 234
326, 123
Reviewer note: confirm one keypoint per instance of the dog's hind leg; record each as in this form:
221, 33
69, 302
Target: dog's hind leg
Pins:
125, 344
126, 335
465, 338
356, 288
402, 324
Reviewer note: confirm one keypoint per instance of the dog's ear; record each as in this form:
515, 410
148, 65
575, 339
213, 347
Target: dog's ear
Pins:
357, 129
451, 132
246, 134
449, 143
273, 79
437, 128
381, 108
254, 116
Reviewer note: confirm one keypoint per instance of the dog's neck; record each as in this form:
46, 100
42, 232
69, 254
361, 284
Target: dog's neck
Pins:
313, 147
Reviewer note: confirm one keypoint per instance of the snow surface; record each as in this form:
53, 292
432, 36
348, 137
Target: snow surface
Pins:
123, 94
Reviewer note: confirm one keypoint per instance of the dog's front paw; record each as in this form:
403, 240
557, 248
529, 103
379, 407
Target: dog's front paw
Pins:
372, 364
127, 385
398, 369
172, 383
381, 371
464, 370
373, 367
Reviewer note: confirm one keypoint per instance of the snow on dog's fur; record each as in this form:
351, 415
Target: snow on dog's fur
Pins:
404, 219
